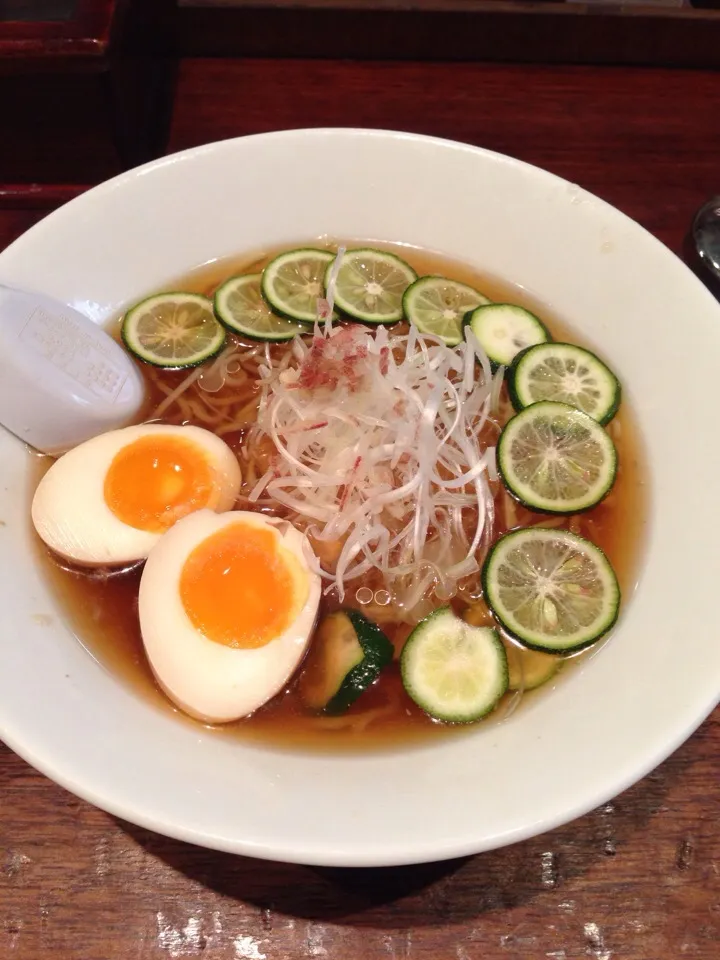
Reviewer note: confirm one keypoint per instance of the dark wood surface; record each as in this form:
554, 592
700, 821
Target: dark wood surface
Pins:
638, 879
82, 99
86, 32
643, 32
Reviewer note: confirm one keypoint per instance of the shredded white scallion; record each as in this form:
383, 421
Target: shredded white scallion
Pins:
381, 449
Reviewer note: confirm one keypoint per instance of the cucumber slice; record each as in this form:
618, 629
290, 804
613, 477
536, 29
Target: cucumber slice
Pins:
294, 282
173, 330
568, 374
550, 589
239, 306
554, 458
436, 305
347, 655
529, 669
504, 329
453, 671
370, 285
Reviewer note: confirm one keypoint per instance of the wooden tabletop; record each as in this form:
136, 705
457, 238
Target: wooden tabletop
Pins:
639, 878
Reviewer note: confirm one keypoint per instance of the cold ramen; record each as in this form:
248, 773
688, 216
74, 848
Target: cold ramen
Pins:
372, 493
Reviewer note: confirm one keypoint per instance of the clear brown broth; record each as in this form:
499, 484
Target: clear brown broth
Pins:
103, 612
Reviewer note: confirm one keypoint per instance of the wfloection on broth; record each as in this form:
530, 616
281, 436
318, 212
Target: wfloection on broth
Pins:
374, 496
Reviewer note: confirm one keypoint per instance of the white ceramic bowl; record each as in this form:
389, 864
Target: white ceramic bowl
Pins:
615, 719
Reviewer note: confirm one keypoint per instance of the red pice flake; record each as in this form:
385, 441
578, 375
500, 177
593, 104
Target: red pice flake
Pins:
334, 361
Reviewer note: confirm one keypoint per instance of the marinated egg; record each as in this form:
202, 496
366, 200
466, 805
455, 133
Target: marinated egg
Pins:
227, 605
110, 499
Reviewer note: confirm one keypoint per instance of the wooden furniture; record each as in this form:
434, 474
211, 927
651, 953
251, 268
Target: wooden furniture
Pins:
85, 88
643, 32
43, 29
637, 879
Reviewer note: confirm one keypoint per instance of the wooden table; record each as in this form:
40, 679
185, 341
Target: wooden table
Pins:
638, 879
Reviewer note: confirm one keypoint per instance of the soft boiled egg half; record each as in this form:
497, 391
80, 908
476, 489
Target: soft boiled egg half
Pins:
227, 606
109, 500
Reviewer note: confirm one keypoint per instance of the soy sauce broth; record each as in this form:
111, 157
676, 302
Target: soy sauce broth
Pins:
102, 611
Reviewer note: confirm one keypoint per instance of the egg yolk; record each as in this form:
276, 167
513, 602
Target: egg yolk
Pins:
156, 480
237, 587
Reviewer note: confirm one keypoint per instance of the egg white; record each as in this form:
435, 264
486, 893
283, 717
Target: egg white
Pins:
208, 680
69, 509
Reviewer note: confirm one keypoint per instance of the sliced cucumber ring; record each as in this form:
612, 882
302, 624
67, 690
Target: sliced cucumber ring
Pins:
293, 283
173, 330
436, 305
554, 458
504, 329
569, 374
551, 590
240, 306
347, 655
453, 671
370, 285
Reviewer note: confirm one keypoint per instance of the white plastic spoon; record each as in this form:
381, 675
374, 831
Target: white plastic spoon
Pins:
63, 379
